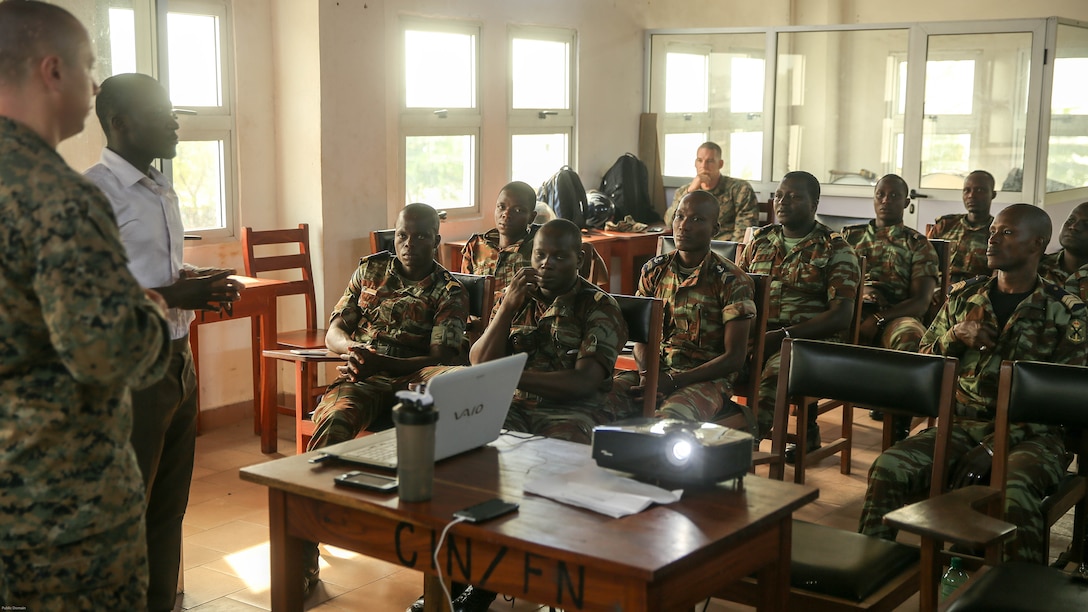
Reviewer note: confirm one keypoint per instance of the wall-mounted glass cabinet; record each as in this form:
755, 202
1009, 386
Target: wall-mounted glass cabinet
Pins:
928, 101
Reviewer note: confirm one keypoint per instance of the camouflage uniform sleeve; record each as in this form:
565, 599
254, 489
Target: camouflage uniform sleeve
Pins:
605, 331
1077, 283
924, 262
939, 339
348, 305
843, 272
450, 315
747, 212
101, 324
680, 193
739, 297
647, 280
1072, 349
468, 262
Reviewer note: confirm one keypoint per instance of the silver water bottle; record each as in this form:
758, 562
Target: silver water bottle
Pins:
415, 418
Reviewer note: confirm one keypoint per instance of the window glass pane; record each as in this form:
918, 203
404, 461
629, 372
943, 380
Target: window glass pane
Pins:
440, 170
746, 155
541, 73
199, 181
440, 69
122, 41
975, 113
195, 76
1067, 162
746, 84
685, 83
534, 158
680, 152
835, 110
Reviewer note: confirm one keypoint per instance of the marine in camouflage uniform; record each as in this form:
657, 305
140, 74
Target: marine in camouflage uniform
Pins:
739, 208
1050, 268
895, 256
1047, 325
77, 332
394, 317
804, 279
697, 308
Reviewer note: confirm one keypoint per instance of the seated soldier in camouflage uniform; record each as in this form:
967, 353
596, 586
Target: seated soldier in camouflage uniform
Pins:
398, 314
571, 330
1013, 315
814, 282
738, 208
708, 313
1069, 266
966, 233
900, 275
506, 248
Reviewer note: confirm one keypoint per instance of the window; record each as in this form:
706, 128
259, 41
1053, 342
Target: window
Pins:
195, 69
712, 89
541, 115
1067, 162
440, 116
975, 110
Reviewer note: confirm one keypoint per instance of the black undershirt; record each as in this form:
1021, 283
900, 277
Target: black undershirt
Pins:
1005, 304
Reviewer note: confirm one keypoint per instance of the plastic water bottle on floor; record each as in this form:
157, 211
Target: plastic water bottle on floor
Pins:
953, 578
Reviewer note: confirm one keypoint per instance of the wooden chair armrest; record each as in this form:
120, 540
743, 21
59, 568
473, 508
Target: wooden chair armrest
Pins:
954, 517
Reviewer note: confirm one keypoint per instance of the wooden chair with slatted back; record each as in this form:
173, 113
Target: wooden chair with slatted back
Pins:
295, 264
644, 317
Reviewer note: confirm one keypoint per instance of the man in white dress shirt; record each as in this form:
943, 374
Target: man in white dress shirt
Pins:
140, 126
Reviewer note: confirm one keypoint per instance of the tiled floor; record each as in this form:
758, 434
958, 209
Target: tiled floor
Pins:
226, 530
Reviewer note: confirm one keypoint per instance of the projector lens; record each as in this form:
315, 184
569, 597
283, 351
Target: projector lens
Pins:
680, 452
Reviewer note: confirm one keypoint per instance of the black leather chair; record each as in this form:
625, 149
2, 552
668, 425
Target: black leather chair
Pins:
833, 569
481, 293
643, 316
1027, 392
382, 240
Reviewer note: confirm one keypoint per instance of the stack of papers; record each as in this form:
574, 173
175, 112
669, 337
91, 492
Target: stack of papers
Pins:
601, 490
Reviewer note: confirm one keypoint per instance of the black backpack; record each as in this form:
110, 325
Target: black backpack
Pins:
564, 193
627, 183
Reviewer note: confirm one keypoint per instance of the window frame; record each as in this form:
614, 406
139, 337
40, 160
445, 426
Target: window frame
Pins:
1041, 29
208, 122
534, 121
434, 121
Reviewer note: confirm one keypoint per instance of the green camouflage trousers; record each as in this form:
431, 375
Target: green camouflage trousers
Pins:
699, 402
572, 421
768, 391
107, 571
902, 474
903, 334
348, 408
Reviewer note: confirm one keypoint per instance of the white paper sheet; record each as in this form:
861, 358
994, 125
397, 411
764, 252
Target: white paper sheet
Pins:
601, 490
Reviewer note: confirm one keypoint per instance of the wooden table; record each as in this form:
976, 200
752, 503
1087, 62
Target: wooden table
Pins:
259, 302
629, 246
667, 557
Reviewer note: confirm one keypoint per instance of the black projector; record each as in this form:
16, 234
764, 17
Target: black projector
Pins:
673, 451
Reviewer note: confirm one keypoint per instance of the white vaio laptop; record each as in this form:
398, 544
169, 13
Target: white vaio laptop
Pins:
472, 404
